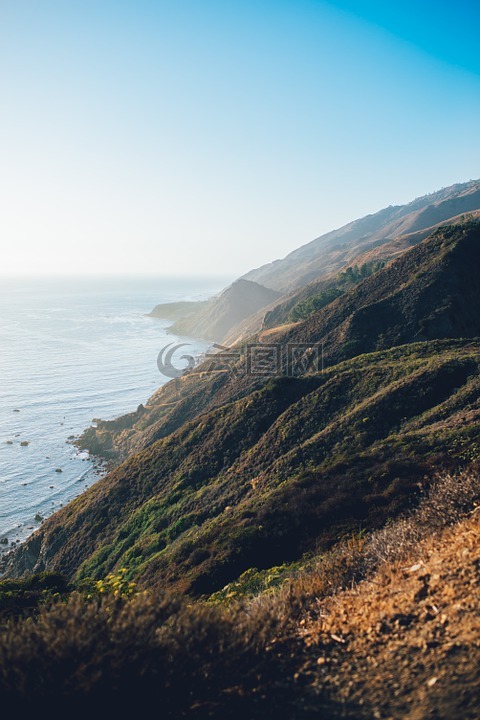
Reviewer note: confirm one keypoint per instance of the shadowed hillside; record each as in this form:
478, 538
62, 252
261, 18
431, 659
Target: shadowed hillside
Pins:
429, 292
281, 311
274, 468
301, 543
288, 468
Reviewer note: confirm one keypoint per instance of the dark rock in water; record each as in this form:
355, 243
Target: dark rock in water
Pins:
59, 470
16, 410
9, 442
4, 541
24, 443
38, 518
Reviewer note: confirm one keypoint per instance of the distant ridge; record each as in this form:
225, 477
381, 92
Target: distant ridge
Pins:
330, 252
237, 471
242, 310
214, 318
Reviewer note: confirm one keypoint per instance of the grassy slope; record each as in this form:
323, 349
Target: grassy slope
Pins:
281, 467
430, 292
383, 625
264, 479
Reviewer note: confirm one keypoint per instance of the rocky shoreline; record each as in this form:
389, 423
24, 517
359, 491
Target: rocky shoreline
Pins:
23, 532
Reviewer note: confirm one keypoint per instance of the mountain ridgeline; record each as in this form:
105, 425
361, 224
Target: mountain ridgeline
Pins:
270, 295
214, 318
428, 293
330, 252
228, 470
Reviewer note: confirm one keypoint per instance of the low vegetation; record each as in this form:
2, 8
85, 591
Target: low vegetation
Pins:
213, 572
228, 659
261, 481
316, 300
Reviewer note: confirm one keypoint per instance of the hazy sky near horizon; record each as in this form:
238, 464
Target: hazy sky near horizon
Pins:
212, 136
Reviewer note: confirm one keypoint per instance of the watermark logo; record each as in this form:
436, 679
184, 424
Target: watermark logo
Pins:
258, 359
225, 359
303, 358
263, 360
165, 361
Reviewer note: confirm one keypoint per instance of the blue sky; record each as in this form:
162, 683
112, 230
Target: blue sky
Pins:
209, 137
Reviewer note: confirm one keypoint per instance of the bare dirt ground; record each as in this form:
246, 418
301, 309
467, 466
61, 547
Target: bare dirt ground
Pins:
405, 644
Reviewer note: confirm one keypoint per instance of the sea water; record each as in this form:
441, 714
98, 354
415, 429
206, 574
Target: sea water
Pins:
72, 350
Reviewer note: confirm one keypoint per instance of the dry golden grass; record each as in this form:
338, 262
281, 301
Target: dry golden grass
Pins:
279, 329
382, 626
404, 643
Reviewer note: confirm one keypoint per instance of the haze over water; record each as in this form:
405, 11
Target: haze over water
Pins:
72, 350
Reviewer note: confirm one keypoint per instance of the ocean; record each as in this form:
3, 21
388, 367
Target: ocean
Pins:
72, 350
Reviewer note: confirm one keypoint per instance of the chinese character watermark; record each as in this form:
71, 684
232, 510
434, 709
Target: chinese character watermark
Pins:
257, 359
263, 360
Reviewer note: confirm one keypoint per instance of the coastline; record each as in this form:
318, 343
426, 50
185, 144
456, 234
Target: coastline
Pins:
70, 353
11, 540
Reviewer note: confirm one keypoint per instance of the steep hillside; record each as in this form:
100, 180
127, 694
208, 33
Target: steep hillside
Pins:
429, 292
383, 625
279, 537
329, 253
281, 311
242, 470
415, 653
287, 469
213, 319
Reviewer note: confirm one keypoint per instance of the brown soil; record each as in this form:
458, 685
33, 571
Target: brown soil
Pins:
278, 329
405, 644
